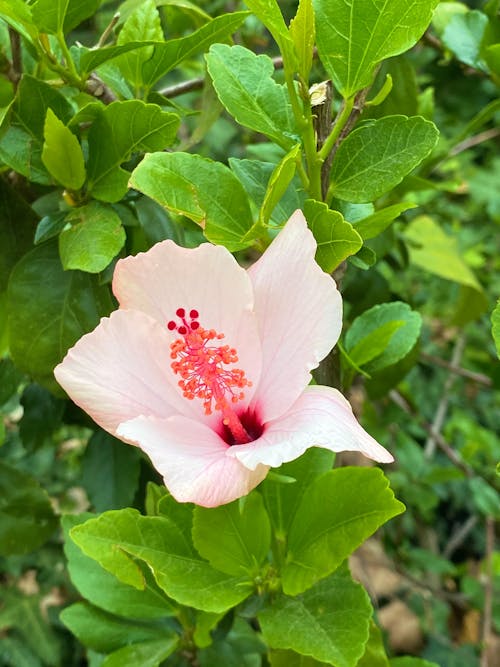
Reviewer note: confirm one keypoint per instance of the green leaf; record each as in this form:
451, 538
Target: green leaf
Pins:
110, 472
42, 415
26, 516
115, 538
408, 661
145, 654
375, 224
235, 538
50, 226
282, 658
283, 500
49, 310
207, 192
88, 60
336, 238
17, 14
329, 622
143, 25
61, 16
17, 226
62, 153
374, 655
383, 335
95, 237
378, 155
464, 35
245, 87
269, 13
106, 632
121, 129
354, 37
438, 253
303, 34
22, 140
341, 509
495, 327
484, 497
169, 55
103, 589
278, 183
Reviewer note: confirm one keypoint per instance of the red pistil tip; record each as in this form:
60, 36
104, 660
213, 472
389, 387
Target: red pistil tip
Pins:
193, 314
180, 312
195, 325
182, 331
171, 325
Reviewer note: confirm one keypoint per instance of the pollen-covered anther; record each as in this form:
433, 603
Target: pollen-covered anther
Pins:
203, 367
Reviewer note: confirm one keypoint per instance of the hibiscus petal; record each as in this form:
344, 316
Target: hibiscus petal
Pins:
299, 310
207, 279
192, 459
321, 417
122, 370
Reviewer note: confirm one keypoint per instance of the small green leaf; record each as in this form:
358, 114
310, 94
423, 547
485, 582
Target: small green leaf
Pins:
245, 86
337, 239
95, 237
341, 509
26, 516
234, 538
383, 335
145, 654
354, 37
207, 192
62, 153
88, 60
374, 655
303, 34
464, 35
278, 183
378, 155
329, 622
375, 224
495, 326
62, 16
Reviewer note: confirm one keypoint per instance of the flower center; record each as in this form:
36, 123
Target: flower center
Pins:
202, 367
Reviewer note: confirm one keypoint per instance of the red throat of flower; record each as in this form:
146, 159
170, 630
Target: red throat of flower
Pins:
203, 369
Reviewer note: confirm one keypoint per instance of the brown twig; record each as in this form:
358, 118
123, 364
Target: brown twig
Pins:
16, 69
457, 370
459, 536
108, 30
476, 139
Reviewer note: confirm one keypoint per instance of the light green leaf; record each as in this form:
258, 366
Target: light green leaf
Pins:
341, 509
145, 654
62, 153
245, 87
207, 192
329, 622
492, 57
103, 589
18, 15
269, 13
278, 183
374, 655
383, 335
495, 327
378, 155
121, 129
336, 238
354, 37
436, 252
303, 34
106, 632
88, 60
169, 55
26, 516
61, 16
96, 236
234, 538
49, 310
464, 35
115, 539
375, 224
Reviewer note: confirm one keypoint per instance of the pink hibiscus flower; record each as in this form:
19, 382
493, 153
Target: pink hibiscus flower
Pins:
206, 365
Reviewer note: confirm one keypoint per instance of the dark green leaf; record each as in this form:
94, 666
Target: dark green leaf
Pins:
42, 413
495, 327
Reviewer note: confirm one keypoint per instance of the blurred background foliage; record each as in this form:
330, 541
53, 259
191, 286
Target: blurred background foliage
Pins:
433, 571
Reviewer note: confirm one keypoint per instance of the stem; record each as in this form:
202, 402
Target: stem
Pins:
70, 65
338, 126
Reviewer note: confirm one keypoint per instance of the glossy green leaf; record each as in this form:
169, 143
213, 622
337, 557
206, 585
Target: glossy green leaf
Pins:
116, 538
375, 224
17, 227
337, 239
207, 192
354, 37
50, 309
245, 86
378, 155
103, 589
464, 35
61, 16
50, 226
26, 516
303, 34
171, 54
22, 141
104, 632
62, 154
120, 130
341, 509
95, 237
383, 335
234, 538
495, 327
329, 622
145, 654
